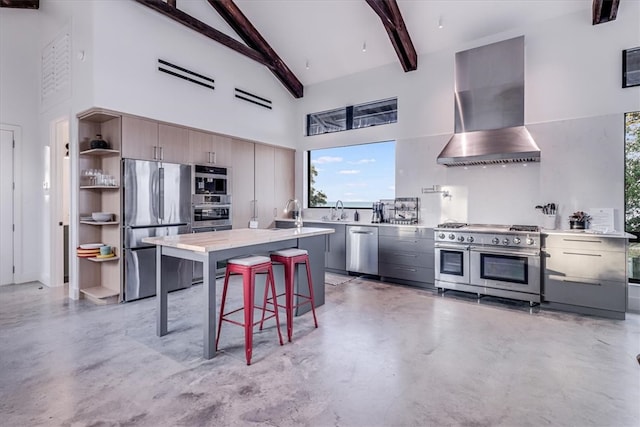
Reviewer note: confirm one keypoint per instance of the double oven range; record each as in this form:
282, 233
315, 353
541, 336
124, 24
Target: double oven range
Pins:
496, 260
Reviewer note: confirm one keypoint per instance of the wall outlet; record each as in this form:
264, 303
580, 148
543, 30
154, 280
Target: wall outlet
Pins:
253, 224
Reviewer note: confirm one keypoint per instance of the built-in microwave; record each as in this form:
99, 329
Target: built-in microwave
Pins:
212, 180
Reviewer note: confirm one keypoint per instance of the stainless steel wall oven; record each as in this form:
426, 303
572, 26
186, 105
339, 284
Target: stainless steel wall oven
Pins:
210, 211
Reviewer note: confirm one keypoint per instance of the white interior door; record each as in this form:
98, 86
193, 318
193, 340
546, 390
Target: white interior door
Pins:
6, 207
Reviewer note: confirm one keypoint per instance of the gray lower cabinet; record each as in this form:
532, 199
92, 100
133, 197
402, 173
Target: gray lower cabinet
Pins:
406, 254
336, 243
586, 274
336, 255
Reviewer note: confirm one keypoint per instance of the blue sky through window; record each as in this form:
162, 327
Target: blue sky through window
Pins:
357, 174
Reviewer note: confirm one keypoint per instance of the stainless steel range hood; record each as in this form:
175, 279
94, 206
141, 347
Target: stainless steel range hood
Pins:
489, 100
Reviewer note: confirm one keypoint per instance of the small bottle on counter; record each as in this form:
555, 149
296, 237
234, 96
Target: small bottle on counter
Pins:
356, 216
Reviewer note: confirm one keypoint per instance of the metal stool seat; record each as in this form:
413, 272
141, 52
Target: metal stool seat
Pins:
290, 258
248, 267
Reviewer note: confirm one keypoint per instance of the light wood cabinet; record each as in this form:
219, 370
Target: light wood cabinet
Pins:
139, 138
209, 149
242, 193
264, 185
173, 143
284, 167
262, 182
149, 140
100, 279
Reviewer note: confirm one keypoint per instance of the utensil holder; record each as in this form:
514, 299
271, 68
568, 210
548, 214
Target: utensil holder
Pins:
549, 222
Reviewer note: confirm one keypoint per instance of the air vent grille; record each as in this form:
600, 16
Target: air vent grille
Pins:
254, 99
56, 70
185, 74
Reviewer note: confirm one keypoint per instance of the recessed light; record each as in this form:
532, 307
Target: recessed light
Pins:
440, 23
364, 46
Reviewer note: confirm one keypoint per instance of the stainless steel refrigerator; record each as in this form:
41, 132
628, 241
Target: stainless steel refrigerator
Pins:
157, 202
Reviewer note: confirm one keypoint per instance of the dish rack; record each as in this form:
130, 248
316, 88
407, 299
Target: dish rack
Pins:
404, 211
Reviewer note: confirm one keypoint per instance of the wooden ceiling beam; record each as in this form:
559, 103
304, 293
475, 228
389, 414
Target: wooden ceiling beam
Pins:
391, 18
166, 9
20, 4
605, 11
204, 29
230, 12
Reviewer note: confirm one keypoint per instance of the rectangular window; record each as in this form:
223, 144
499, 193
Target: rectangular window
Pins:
632, 191
353, 117
357, 175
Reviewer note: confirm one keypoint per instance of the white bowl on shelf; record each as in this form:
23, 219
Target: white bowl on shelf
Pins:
101, 216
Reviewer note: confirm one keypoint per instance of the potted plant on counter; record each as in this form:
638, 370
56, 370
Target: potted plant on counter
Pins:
578, 220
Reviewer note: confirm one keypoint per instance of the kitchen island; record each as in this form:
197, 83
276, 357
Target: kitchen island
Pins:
208, 248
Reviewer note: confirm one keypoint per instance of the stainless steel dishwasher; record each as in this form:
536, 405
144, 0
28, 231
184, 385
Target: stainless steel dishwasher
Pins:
362, 249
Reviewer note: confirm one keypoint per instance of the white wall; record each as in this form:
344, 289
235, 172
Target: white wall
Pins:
18, 106
127, 79
574, 107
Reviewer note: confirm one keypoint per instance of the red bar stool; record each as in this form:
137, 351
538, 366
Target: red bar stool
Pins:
248, 267
290, 258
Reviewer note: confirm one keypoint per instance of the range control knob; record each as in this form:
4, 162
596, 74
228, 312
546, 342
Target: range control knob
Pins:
495, 240
441, 236
505, 241
460, 238
470, 239
530, 241
452, 236
516, 240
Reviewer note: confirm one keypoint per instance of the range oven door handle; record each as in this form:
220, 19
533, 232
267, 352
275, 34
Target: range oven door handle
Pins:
456, 247
505, 252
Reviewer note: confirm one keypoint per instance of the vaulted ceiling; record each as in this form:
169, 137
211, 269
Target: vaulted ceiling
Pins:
305, 42
319, 40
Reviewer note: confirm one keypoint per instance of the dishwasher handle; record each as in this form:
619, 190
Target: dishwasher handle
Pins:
360, 232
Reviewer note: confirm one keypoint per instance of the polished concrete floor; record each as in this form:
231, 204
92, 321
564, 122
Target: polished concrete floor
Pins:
384, 355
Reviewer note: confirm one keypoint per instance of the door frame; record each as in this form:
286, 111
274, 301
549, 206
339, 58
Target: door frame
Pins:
18, 274
56, 192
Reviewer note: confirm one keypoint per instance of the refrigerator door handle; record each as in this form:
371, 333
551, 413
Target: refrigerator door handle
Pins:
161, 192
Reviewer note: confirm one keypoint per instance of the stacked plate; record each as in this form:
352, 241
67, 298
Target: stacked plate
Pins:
89, 250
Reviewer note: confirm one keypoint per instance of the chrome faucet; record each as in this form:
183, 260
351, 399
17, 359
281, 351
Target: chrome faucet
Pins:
297, 211
341, 216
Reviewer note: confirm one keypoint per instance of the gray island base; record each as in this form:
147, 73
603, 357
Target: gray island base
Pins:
208, 248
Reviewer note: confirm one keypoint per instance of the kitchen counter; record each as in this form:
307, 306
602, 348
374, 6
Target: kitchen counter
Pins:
615, 235
210, 247
235, 238
361, 223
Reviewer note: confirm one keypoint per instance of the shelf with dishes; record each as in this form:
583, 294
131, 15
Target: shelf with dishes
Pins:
99, 187
92, 222
96, 252
99, 218
99, 205
100, 152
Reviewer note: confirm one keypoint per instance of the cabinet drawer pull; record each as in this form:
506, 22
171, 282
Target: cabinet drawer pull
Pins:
578, 253
583, 241
413, 270
581, 283
407, 255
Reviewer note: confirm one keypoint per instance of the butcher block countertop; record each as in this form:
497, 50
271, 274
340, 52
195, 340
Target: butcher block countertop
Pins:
235, 238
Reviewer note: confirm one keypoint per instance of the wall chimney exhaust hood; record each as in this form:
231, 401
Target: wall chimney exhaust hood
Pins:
489, 102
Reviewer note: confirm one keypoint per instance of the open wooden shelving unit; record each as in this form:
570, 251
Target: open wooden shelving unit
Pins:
100, 278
